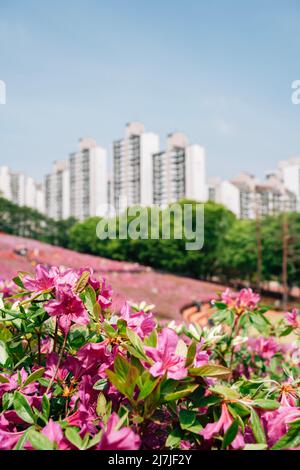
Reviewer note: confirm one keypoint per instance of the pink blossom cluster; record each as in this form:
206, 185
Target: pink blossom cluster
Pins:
78, 374
246, 299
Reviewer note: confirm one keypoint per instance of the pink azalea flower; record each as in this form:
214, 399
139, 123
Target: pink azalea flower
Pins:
95, 356
53, 431
8, 439
13, 383
202, 356
69, 308
263, 347
7, 288
228, 298
105, 294
51, 363
140, 322
67, 278
70, 277
44, 279
185, 445
85, 402
278, 421
291, 318
246, 299
122, 439
166, 361
225, 421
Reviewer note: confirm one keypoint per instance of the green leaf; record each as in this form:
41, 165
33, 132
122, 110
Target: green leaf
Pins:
100, 384
96, 312
44, 381
90, 298
109, 330
114, 379
181, 393
174, 438
134, 352
255, 447
95, 440
151, 402
39, 441
82, 282
3, 353
238, 409
220, 305
18, 282
191, 352
101, 405
34, 376
181, 348
266, 404
210, 370
46, 406
23, 408
290, 440
151, 340
230, 434
257, 428
136, 342
121, 367
225, 392
287, 331
7, 400
73, 436
23, 439
147, 386
3, 380
186, 418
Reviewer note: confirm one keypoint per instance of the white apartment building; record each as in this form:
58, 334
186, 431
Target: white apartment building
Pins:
21, 189
88, 180
57, 191
5, 188
132, 167
246, 197
40, 198
224, 192
289, 171
179, 171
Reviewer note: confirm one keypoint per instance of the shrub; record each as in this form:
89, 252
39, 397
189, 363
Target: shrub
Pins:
78, 375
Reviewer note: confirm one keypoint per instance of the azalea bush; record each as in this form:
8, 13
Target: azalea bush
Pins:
76, 374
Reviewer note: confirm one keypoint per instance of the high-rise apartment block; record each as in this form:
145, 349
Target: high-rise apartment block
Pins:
289, 171
248, 198
132, 167
21, 189
57, 191
88, 180
78, 187
143, 174
179, 171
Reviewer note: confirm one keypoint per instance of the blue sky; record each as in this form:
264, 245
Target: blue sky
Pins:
221, 71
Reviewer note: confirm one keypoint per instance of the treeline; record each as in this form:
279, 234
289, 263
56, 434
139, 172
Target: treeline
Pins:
234, 250
27, 222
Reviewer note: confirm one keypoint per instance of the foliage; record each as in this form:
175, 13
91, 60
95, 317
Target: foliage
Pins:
77, 375
27, 222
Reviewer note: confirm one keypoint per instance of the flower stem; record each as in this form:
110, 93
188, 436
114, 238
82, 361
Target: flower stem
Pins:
58, 363
55, 335
39, 347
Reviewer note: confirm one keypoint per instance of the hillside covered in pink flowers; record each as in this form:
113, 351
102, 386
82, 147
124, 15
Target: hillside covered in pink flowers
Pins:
169, 293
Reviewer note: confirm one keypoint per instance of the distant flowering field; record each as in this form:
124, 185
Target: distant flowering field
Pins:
130, 281
75, 374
